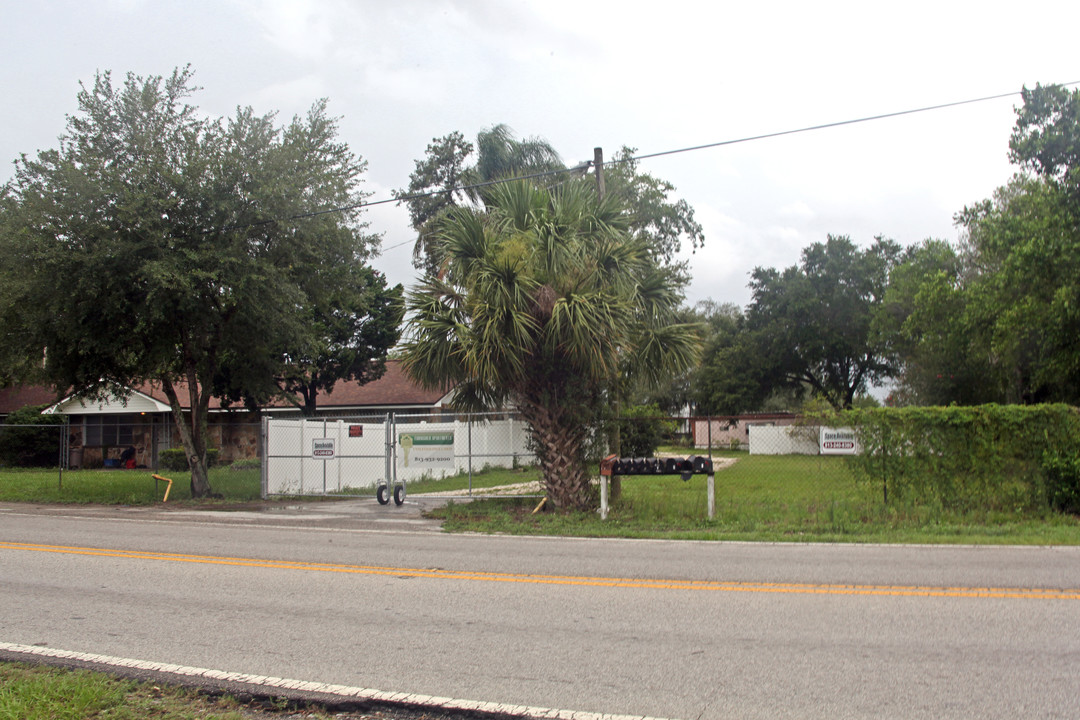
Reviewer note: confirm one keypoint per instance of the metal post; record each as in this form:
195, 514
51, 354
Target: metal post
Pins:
324, 461
65, 451
469, 425
264, 469
393, 454
388, 435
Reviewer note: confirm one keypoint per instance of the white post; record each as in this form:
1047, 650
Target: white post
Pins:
603, 497
711, 489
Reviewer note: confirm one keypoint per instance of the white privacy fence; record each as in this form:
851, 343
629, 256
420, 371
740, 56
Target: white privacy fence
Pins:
356, 456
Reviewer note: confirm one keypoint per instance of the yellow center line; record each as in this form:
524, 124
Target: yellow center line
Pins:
437, 573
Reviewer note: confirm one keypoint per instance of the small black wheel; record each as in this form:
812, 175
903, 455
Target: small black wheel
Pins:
383, 495
399, 495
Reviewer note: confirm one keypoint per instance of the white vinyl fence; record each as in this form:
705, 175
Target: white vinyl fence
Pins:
355, 456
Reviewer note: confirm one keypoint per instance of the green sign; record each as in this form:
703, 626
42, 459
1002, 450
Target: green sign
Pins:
426, 449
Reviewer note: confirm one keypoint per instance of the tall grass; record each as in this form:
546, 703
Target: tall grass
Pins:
32, 692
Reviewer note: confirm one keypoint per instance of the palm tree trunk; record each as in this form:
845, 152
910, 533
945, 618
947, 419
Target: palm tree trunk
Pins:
560, 450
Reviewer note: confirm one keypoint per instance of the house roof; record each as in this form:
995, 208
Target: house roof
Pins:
19, 396
393, 390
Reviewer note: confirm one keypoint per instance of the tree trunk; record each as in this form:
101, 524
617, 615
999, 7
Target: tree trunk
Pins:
559, 450
192, 440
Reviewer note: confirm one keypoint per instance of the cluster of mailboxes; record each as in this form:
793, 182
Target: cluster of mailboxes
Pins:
684, 467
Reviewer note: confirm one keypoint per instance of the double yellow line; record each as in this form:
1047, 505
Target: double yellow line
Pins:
657, 584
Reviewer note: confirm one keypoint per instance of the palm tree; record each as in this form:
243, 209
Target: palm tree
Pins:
442, 180
545, 301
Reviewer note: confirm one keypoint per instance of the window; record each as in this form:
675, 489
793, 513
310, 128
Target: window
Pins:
108, 430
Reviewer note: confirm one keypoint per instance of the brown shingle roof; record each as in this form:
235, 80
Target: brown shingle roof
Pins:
14, 398
393, 389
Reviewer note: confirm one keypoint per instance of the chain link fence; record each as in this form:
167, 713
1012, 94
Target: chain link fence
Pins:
357, 456
95, 442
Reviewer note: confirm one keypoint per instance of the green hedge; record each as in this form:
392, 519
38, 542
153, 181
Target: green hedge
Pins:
175, 459
1010, 458
642, 429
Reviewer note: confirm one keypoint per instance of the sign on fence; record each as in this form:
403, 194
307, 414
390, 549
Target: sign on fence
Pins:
322, 448
837, 441
427, 449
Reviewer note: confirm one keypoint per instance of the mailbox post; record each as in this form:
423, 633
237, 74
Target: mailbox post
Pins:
683, 467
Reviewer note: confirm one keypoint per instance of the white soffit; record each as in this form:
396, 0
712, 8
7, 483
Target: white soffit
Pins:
137, 402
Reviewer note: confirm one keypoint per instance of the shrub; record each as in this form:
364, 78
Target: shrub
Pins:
642, 428
175, 459
1061, 475
988, 456
30, 446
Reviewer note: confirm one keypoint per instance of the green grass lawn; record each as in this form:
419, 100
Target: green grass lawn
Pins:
758, 498
120, 487
766, 498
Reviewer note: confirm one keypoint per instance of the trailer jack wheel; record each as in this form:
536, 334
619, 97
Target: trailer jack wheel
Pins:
383, 495
399, 495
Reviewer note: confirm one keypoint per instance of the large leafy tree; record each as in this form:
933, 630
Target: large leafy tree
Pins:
996, 319
154, 244
663, 222
1046, 137
731, 379
925, 321
1023, 292
352, 333
545, 300
813, 322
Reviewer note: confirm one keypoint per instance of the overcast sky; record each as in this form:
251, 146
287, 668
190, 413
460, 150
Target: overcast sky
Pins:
655, 76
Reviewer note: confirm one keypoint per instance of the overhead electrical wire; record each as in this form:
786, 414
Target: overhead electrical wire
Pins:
583, 167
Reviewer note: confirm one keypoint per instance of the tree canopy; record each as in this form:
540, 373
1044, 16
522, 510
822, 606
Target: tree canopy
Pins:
812, 324
155, 244
545, 300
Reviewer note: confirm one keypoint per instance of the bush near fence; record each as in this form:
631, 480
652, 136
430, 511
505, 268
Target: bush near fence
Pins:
30, 439
992, 457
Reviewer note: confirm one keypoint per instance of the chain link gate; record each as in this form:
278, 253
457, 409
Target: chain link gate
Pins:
379, 455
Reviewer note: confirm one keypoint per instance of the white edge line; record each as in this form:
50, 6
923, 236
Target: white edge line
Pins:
345, 692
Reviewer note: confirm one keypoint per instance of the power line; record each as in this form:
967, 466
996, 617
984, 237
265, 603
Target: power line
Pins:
836, 124
584, 166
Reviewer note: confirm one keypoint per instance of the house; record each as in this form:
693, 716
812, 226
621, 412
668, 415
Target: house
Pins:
100, 431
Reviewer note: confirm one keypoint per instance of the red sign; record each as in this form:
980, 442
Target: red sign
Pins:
356, 431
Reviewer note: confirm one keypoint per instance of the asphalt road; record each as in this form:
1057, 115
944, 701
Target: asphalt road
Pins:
361, 595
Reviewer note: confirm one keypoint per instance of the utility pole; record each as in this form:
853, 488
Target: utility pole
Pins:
616, 435
598, 163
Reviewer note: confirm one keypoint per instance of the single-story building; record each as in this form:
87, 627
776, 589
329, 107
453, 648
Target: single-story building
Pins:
100, 432
733, 431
